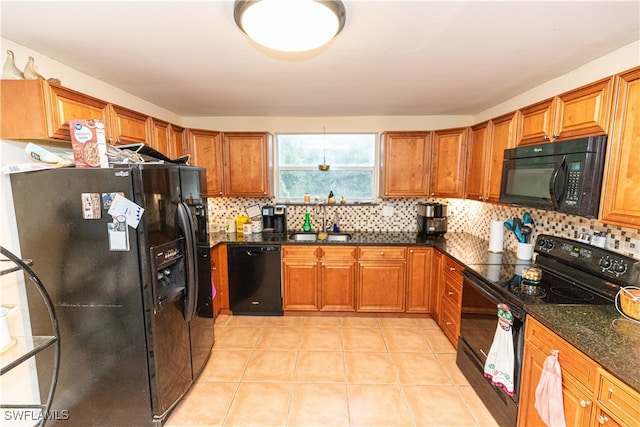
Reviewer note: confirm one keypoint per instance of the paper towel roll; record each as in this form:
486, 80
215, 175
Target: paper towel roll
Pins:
496, 236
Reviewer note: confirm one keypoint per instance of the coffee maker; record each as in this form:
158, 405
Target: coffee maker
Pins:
280, 219
432, 219
267, 219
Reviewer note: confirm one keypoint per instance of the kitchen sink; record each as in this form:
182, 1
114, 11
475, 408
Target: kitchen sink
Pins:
313, 237
303, 237
338, 237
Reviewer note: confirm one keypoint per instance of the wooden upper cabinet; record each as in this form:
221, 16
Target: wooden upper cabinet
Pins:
159, 136
35, 109
448, 162
581, 112
127, 126
405, 164
478, 152
205, 148
178, 144
247, 164
620, 203
502, 137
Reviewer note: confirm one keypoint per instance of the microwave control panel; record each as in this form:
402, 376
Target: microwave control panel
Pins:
574, 183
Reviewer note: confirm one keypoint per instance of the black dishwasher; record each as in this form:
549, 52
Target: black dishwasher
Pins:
254, 280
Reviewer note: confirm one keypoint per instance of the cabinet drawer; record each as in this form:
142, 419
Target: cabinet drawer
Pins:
452, 292
453, 269
299, 251
337, 252
573, 362
450, 322
618, 399
381, 252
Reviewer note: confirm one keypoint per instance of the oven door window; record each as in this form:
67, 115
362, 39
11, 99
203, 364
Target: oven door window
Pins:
479, 321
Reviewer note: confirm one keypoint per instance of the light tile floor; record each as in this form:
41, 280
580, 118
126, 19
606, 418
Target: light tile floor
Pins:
330, 371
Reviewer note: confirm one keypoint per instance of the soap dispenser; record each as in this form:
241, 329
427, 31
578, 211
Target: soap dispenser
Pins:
307, 222
336, 223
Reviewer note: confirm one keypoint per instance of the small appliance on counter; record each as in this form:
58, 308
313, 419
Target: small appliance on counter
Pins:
432, 219
267, 219
280, 219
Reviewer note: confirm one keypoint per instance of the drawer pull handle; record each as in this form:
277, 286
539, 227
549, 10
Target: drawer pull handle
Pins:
602, 419
585, 403
450, 293
382, 253
448, 323
452, 268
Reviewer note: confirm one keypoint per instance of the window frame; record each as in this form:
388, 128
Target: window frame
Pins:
376, 168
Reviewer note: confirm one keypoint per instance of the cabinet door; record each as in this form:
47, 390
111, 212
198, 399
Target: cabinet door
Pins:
338, 285
620, 203
381, 286
206, 151
127, 126
247, 163
436, 284
503, 137
300, 284
35, 109
584, 111
220, 277
577, 402
419, 280
178, 145
159, 138
405, 164
477, 159
537, 123
448, 162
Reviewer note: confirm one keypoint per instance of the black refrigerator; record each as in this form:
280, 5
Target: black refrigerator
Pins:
124, 254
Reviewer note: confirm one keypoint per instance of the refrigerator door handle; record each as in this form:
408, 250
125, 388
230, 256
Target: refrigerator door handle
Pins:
191, 290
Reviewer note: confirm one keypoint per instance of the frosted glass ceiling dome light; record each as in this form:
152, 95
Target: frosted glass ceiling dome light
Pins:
290, 25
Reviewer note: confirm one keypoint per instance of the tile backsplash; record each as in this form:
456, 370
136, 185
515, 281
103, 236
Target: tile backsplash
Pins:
464, 216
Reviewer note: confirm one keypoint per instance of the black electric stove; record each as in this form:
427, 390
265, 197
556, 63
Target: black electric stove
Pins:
572, 273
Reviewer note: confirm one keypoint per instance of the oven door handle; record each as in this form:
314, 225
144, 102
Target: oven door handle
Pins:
493, 296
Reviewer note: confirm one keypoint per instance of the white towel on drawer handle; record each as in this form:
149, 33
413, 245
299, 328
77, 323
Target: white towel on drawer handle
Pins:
549, 402
500, 360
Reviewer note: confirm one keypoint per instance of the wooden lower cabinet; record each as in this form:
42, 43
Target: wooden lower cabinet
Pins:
338, 276
450, 288
591, 396
436, 284
220, 278
419, 262
300, 278
381, 279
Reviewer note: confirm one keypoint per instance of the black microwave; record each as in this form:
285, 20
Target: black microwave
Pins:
560, 176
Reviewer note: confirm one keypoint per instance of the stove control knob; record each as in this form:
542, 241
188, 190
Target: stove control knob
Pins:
549, 244
605, 263
541, 243
619, 268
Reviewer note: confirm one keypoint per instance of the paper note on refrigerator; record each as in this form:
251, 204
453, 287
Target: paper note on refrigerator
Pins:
131, 211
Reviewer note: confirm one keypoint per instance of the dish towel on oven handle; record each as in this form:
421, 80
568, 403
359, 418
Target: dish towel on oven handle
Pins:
500, 360
549, 403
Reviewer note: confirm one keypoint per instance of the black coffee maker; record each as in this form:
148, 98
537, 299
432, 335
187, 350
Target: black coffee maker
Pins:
268, 219
280, 219
432, 219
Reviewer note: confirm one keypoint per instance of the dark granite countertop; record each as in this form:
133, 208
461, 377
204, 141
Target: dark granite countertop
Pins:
598, 331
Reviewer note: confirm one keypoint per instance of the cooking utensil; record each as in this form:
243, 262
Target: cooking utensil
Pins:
517, 224
526, 232
527, 219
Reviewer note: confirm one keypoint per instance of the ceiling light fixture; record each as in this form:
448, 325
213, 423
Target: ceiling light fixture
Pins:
290, 25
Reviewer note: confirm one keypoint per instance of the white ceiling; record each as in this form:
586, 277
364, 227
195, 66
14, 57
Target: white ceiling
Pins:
392, 58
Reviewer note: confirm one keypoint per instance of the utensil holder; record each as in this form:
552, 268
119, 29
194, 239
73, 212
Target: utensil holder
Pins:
524, 251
